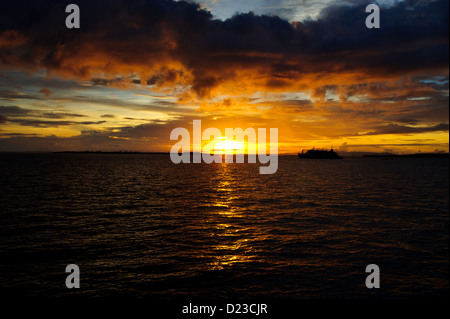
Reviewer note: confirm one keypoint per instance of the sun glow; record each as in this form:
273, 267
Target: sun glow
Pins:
226, 146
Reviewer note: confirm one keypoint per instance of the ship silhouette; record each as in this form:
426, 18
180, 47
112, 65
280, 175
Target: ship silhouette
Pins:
319, 154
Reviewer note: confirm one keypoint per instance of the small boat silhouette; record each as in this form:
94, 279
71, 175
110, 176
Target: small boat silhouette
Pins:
319, 154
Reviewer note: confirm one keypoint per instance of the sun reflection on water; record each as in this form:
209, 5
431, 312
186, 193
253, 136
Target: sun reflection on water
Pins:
234, 241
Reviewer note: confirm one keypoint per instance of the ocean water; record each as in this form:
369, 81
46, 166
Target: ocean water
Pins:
139, 225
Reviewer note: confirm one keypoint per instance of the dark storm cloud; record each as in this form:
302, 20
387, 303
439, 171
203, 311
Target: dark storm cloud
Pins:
18, 135
14, 95
153, 105
172, 43
58, 115
142, 137
45, 124
91, 122
392, 80
16, 111
13, 110
399, 129
39, 123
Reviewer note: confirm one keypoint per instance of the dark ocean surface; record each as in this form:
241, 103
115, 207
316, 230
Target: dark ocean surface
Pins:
138, 225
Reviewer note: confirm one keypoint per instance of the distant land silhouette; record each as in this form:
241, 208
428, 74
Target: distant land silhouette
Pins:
107, 152
419, 155
344, 154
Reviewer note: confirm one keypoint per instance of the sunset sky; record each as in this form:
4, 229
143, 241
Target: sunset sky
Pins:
137, 69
